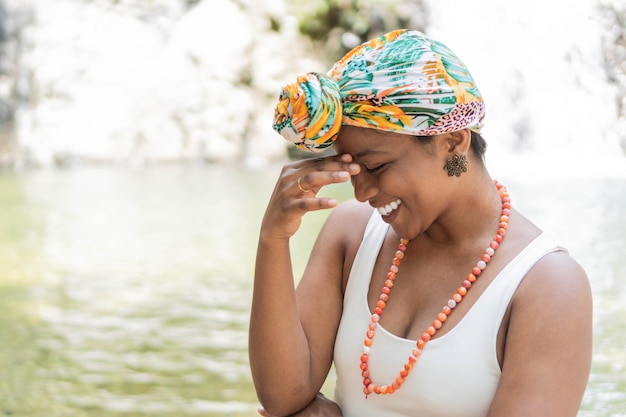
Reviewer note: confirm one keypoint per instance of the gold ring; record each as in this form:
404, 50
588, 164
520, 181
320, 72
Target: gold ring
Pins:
300, 186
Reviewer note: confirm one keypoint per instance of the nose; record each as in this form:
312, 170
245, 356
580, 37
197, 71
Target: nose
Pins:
365, 186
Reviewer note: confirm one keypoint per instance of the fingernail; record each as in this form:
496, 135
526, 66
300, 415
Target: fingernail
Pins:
354, 167
344, 175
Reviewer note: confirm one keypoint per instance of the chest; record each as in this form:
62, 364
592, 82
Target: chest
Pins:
426, 280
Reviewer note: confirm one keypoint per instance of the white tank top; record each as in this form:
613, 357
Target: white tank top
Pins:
456, 375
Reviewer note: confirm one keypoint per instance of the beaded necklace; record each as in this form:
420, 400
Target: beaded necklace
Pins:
457, 297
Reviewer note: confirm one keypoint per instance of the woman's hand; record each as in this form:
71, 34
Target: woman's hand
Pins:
296, 190
319, 407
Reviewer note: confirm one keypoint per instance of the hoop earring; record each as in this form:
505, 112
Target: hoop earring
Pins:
456, 165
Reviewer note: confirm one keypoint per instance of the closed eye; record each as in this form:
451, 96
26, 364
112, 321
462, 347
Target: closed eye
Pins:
377, 168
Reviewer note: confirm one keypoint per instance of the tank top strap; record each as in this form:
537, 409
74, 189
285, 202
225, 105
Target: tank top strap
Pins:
363, 265
501, 290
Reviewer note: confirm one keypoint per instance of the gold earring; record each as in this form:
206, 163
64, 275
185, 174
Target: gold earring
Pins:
456, 165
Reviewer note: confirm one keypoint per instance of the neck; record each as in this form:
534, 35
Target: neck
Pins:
473, 214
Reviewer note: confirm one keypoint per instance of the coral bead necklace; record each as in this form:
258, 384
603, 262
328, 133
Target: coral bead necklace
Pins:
457, 297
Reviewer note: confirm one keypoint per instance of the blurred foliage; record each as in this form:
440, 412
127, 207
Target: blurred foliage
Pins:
340, 25
613, 14
614, 45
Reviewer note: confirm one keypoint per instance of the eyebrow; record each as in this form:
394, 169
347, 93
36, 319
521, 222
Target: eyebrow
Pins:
368, 152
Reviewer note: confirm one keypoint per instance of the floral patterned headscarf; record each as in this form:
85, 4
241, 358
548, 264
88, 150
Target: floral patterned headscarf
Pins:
401, 82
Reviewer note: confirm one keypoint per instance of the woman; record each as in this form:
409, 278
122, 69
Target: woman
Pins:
431, 295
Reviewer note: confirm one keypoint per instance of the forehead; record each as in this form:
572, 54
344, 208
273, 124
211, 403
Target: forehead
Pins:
360, 142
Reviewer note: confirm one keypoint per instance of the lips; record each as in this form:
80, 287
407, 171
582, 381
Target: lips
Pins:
389, 208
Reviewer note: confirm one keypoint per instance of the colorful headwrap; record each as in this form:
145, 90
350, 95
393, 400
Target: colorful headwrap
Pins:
401, 82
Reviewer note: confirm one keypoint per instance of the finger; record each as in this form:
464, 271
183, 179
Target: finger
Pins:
313, 181
262, 412
313, 204
330, 163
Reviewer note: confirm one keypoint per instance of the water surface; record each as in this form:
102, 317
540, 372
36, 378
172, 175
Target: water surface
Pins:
126, 292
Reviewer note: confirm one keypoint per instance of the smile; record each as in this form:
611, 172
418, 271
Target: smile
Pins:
386, 210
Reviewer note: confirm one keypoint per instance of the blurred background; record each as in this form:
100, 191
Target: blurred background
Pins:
137, 155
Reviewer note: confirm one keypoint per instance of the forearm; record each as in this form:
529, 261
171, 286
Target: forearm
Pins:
278, 348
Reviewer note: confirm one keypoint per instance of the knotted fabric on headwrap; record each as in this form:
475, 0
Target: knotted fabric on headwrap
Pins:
401, 82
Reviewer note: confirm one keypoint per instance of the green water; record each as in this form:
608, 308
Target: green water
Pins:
126, 292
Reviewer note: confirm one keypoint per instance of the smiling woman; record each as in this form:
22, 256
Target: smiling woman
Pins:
404, 116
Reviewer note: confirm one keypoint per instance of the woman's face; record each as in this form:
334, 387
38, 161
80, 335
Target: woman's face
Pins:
401, 177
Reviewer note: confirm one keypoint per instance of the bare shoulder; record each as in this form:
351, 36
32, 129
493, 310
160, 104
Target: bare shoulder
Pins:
352, 211
347, 221
556, 289
342, 234
548, 341
556, 277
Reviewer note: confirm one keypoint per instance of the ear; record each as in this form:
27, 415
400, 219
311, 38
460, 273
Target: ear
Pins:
459, 142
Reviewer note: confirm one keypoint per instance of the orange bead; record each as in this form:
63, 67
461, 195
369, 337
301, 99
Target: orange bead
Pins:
442, 316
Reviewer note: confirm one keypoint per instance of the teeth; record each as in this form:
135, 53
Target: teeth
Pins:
386, 210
